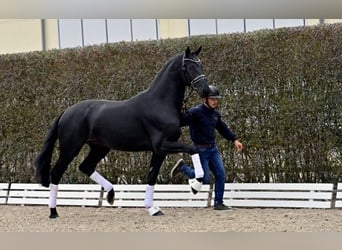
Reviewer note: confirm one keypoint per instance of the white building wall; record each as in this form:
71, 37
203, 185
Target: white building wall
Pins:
22, 35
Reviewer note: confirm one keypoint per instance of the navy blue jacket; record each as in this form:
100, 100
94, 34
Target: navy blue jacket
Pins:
202, 122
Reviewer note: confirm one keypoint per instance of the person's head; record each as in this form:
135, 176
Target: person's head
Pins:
213, 95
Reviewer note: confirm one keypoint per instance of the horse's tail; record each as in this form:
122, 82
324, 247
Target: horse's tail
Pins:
43, 160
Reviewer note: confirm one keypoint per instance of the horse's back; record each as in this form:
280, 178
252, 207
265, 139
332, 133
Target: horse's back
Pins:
81, 111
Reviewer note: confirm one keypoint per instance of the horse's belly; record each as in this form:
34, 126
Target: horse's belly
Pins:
129, 145
119, 127
122, 139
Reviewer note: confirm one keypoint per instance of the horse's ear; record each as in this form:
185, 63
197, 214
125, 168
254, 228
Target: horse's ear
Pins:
198, 51
187, 52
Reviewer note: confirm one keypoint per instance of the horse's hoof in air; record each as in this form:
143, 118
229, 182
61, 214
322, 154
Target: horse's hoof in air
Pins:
53, 213
110, 197
46, 184
194, 191
155, 211
195, 185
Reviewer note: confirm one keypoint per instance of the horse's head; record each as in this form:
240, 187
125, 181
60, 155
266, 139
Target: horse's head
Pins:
193, 71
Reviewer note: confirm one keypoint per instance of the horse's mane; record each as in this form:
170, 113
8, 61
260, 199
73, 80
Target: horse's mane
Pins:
170, 63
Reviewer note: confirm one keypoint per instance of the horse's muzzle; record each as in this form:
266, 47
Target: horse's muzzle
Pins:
203, 88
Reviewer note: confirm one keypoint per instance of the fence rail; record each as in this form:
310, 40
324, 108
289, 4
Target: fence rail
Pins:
286, 195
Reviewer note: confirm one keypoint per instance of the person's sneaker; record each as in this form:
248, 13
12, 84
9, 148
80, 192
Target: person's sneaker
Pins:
177, 168
222, 207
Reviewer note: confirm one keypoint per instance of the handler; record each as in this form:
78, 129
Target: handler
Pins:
203, 120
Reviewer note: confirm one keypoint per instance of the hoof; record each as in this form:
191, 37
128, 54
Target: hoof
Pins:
155, 211
195, 185
158, 213
53, 213
45, 183
110, 197
194, 191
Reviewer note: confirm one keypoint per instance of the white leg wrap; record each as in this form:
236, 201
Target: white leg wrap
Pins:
195, 185
53, 195
148, 201
99, 179
197, 165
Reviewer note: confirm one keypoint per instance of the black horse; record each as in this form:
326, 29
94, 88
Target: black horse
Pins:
149, 121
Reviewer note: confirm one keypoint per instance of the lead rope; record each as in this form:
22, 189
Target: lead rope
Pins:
184, 108
195, 80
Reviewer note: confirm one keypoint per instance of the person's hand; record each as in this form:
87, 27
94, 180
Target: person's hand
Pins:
184, 108
238, 145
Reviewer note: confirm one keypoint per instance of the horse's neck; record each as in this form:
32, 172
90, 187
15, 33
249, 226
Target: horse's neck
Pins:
168, 85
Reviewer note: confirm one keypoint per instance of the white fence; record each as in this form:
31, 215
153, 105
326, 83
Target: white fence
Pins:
338, 202
286, 195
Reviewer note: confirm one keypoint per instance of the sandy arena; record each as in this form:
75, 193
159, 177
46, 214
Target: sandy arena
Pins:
87, 219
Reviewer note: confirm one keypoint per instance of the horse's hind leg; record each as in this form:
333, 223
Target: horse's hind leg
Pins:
56, 175
155, 165
88, 167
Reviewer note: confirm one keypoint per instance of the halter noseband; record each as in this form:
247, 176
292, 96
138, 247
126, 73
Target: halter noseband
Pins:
197, 79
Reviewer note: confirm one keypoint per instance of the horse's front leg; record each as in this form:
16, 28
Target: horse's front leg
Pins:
155, 165
171, 147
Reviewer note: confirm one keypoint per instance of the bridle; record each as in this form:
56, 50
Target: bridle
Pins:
193, 81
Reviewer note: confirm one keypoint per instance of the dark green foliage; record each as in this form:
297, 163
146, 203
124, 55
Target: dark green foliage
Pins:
281, 88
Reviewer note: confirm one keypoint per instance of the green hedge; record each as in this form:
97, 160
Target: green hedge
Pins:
281, 88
